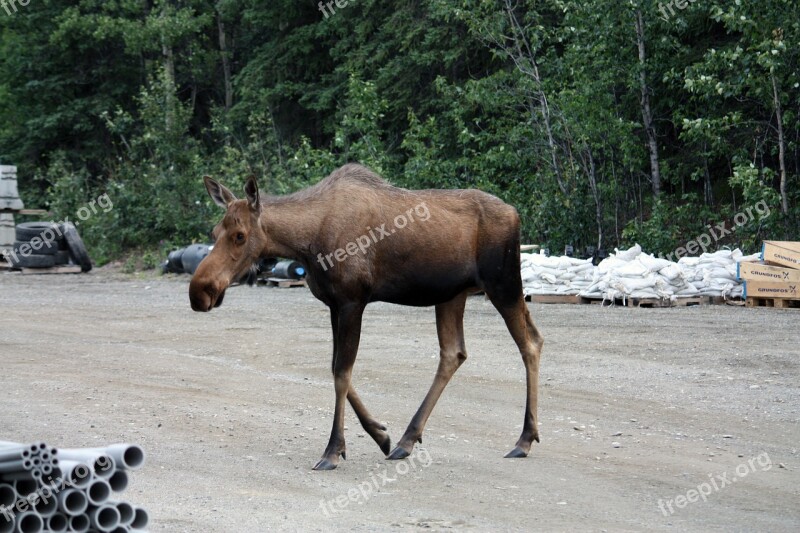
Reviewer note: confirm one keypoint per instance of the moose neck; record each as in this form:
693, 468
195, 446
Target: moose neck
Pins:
291, 225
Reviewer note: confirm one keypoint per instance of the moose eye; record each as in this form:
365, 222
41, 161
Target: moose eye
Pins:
239, 238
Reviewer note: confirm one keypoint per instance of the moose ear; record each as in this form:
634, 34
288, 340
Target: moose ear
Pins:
218, 192
251, 189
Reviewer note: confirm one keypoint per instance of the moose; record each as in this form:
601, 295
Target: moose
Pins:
359, 240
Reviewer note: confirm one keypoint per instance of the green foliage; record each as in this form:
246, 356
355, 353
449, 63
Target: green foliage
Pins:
672, 223
538, 102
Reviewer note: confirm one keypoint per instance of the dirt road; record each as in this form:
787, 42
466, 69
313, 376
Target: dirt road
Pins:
641, 410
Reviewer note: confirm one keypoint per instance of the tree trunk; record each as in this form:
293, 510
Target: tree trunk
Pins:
226, 63
647, 115
169, 86
709, 190
598, 202
524, 58
781, 146
170, 99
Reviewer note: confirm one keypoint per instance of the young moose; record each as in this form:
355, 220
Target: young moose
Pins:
360, 242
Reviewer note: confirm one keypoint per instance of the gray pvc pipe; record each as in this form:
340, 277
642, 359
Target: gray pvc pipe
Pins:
79, 523
33, 448
98, 492
140, 518
75, 473
72, 502
14, 453
58, 523
13, 467
126, 512
128, 456
103, 465
6, 525
29, 522
104, 518
8, 495
46, 507
25, 487
119, 481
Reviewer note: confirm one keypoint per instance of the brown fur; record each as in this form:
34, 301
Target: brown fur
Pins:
454, 242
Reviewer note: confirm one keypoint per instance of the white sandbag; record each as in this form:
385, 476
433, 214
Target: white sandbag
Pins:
652, 263
634, 269
628, 255
672, 272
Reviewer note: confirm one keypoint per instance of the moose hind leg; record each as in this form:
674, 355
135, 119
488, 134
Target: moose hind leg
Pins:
529, 341
375, 429
452, 354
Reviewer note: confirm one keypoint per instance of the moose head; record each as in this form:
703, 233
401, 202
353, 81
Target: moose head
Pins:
239, 241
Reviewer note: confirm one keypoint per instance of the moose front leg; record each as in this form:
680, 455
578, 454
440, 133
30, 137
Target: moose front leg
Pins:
347, 333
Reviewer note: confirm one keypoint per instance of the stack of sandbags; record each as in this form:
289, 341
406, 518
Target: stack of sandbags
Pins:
555, 275
634, 274
714, 274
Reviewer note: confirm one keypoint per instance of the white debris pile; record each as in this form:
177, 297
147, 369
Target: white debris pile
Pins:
635, 274
715, 274
555, 275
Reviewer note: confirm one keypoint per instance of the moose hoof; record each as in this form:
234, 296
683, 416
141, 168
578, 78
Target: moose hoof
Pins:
325, 464
386, 445
398, 453
516, 453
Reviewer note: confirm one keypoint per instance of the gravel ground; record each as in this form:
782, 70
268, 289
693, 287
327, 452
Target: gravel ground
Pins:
640, 410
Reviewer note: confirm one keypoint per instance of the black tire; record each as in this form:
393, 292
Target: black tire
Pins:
77, 250
174, 262
45, 247
32, 261
62, 257
28, 230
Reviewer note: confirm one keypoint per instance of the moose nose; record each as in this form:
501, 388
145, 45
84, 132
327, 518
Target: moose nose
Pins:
201, 301
201, 295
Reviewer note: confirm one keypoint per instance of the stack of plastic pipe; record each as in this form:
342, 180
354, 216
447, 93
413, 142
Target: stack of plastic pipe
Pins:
44, 489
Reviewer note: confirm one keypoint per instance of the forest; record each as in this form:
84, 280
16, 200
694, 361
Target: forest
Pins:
604, 122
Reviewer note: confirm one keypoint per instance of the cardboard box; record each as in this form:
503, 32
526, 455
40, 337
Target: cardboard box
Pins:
774, 254
764, 272
769, 289
790, 245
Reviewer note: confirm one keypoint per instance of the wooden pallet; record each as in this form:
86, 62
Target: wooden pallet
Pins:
777, 303
63, 269
553, 298
648, 302
284, 283
60, 269
628, 302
